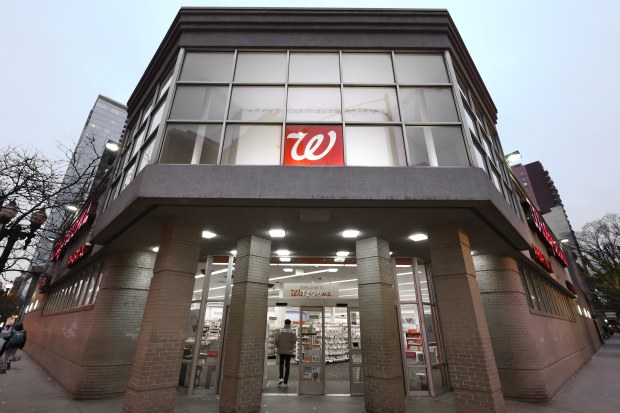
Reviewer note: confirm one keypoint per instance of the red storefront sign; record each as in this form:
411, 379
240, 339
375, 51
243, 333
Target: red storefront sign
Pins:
80, 253
541, 259
59, 248
544, 233
313, 146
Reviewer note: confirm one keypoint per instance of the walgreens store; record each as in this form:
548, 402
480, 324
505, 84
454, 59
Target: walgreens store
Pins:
347, 176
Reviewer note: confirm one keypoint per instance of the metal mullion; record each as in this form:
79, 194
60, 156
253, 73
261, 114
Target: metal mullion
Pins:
456, 95
422, 319
432, 123
195, 122
283, 131
400, 114
227, 108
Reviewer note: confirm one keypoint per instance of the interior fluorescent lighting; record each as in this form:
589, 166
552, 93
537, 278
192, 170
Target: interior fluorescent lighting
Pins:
283, 252
347, 289
340, 281
405, 273
208, 234
338, 259
350, 233
288, 270
155, 249
349, 295
302, 274
418, 236
277, 233
342, 253
285, 259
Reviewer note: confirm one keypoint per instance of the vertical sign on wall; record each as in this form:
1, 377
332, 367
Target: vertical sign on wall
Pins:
308, 145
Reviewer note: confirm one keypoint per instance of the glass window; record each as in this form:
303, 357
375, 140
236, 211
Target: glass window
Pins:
314, 68
156, 119
129, 174
319, 104
374, 146
470, 123
406, 285
261, 68
428, 104
367, 68
264, 104
199, 102
147, 111
436, 146
420, 68
480, 163
165, 86
147, 155
137, 142
370, 104
496, 179
252, 145
207, 67
185, 144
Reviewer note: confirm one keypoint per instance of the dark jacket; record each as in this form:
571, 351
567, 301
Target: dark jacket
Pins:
17, 339
286, 341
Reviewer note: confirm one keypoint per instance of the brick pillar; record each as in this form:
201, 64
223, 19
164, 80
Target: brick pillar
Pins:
512, 328
155, 372
381, 353
244, 353
473, 372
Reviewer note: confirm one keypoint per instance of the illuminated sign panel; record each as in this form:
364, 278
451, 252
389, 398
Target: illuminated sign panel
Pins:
313, 146
80, 253
60, 246
540, 258
544, 233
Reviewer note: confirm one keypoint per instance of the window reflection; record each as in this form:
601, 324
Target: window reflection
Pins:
261, 68
185, 144
314, 68
252, 145
367, 68
370, 104
374, 146
207, 67
313, 104
436, 146
199, 103
263, 104
415, 68
428, 105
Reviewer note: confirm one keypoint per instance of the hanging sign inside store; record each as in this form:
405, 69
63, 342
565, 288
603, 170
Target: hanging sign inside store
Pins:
84, 218
313, 146
309, 290
538, 224
540, 258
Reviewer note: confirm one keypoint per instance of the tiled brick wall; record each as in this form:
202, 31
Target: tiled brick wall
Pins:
89, 351
383, 372
535, 354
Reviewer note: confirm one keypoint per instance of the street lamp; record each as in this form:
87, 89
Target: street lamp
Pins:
513, 157
16, 232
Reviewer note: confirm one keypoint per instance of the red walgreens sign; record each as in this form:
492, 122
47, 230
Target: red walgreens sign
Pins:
313, 146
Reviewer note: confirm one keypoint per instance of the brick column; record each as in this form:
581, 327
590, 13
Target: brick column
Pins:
244, 353
473, 372
155, 372
381, 353
512, 328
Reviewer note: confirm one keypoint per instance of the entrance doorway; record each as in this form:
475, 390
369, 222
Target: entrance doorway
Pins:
328, 356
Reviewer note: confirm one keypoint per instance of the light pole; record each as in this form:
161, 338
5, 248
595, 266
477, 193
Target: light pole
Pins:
15, 232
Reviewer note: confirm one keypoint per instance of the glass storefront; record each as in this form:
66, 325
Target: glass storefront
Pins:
423, 362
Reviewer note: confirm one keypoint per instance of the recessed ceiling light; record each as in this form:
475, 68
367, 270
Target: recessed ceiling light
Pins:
233, 252
277, 233
208, 234
350, 233
418, 236
283, 252
288, 270
155, 249
338, 259
391, 252
342, 253
285, 259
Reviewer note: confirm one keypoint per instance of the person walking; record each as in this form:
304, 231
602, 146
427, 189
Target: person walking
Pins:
286, 340
14, 341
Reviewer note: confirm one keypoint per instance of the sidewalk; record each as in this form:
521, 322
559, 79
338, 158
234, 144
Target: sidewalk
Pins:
596, 388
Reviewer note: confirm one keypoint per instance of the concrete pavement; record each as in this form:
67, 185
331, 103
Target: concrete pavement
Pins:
595, 389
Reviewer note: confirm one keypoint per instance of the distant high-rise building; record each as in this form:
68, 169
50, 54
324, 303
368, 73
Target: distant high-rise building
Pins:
90, 160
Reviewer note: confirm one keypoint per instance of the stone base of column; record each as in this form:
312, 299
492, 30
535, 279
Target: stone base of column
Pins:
150, 401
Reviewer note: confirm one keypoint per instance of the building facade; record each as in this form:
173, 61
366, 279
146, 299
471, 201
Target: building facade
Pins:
338, 168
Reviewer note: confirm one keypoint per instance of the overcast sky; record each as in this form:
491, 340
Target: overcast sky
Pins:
551, 67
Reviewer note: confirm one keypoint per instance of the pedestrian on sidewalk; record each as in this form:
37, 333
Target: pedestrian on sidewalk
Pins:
286, 340
15, 341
